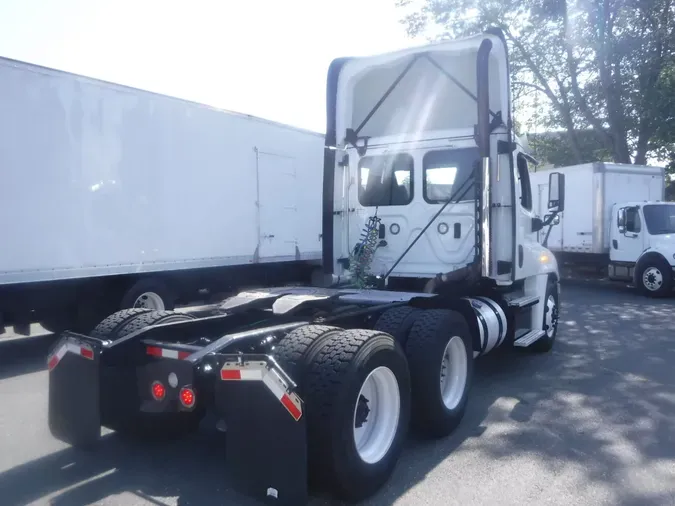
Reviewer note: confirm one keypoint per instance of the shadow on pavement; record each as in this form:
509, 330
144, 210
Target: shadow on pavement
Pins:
603, 401
24, 355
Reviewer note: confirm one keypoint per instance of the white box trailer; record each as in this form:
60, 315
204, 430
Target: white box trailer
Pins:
113, 194
616, 218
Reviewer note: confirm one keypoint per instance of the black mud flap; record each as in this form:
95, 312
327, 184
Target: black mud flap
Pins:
266, 448
74, 401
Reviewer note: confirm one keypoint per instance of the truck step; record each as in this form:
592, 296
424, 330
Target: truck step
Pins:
524, 301
528, 338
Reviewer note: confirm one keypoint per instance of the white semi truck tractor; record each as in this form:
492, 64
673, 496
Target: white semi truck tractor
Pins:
430, 261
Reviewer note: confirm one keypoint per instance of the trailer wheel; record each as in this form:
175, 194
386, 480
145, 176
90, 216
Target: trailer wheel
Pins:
655, 277
398, 321
149, 293
299, 347
145, 426
357, 393
550, 323
440, 358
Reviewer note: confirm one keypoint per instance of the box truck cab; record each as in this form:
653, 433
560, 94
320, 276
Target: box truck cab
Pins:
642, 236
618, 223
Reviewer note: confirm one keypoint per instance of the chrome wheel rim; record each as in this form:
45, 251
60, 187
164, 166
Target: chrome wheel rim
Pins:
652, 279
551, 317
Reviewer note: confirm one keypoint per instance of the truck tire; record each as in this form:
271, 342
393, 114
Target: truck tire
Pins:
398, 321
550, 322
440, 358
299, 347
114, 324
357, 387
149, 293
654, 277
146, 426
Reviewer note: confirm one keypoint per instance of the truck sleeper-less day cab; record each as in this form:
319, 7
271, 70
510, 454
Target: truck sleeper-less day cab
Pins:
619, 222
430, 259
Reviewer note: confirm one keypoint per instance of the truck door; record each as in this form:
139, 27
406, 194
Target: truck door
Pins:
627, 235
277, 202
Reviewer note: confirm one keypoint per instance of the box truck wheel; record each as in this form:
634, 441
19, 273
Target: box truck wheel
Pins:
398, 321
151, 294
440, 358
550, 323
146, 426
357, 393
654, 276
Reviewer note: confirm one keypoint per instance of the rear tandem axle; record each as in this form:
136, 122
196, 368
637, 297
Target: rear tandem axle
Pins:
341, 399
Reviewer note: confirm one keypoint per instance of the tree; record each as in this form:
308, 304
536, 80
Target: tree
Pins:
554, 148
605, 65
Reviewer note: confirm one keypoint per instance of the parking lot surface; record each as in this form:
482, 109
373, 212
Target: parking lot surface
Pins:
591, 423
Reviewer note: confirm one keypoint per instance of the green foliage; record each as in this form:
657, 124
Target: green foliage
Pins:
555, 148
578, 65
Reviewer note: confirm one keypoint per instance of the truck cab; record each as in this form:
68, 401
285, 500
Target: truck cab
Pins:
425, 178
642, 245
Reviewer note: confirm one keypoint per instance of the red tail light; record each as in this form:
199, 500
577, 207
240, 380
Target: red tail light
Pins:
158, 391
187, 397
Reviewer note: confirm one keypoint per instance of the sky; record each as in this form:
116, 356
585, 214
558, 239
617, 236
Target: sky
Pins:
262, 57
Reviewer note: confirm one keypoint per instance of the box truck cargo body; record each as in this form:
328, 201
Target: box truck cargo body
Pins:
115, 194
616, 218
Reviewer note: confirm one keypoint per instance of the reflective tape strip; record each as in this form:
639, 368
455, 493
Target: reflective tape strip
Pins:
272, 380
241, 374
277, 386
156, 351
56, 357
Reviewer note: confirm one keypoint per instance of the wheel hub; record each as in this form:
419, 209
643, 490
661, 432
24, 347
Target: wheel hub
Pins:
362, 412
652, 279
376, 415
551, 319
454, 370
149, 300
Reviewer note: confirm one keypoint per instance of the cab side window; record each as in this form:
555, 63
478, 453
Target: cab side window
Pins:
524, 180
633, 222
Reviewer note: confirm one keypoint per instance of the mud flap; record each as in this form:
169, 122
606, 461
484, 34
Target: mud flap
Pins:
74, 403
266, 448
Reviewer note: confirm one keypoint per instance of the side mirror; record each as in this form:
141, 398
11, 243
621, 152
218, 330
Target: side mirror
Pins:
621, 221
556, 192
537, 224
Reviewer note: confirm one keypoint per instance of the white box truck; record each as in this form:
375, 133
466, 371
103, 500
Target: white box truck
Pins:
114, 197
617, 218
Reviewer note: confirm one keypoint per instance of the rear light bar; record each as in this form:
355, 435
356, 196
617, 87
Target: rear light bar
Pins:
158, 390
187, 397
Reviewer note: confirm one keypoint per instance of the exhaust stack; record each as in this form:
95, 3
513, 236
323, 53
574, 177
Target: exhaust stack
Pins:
483, 141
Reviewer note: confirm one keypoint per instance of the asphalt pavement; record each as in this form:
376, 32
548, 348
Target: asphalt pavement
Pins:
591, 423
